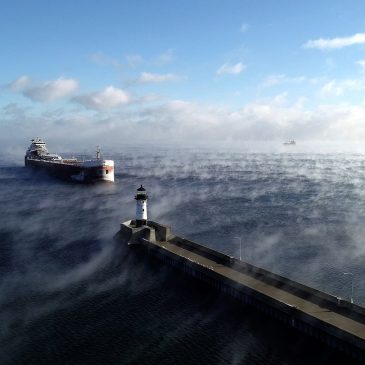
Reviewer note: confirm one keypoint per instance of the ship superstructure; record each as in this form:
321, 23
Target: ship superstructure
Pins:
98, 169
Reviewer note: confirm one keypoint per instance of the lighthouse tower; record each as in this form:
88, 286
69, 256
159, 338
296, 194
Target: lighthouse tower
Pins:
141, 207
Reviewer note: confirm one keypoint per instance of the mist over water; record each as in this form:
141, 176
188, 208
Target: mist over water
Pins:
70, 294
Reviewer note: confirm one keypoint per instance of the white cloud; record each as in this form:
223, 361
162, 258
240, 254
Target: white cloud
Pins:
282, 79
134, 60
330, 63
147, 77
228, 68
244, 28
331, 88
339, 87
20, 83
52, 90
166, 57
361, 63
335, 43
108, 98
102, 59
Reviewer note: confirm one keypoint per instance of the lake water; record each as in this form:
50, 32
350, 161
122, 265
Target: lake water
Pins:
69, 294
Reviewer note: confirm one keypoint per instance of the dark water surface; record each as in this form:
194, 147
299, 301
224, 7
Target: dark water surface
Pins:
69, 294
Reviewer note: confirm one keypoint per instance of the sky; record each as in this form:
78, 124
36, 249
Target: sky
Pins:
125, 72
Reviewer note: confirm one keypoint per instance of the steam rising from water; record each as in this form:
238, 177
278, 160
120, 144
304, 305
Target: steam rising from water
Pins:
300, 215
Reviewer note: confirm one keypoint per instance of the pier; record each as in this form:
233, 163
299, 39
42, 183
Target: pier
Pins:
331, 320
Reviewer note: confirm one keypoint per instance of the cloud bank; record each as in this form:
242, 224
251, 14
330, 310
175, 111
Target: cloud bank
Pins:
185, 123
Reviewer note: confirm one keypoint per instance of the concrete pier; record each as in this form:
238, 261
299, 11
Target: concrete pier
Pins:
326, 318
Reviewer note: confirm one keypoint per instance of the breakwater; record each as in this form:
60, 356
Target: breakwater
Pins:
326, 318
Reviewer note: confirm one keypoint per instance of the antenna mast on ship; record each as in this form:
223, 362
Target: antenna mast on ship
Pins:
98, 153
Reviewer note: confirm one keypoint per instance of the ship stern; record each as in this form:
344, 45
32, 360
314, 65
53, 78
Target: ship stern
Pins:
107, 171
95, 170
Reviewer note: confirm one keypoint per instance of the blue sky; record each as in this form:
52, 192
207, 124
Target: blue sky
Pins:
197, 70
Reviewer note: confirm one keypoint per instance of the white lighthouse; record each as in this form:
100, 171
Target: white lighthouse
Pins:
141, 206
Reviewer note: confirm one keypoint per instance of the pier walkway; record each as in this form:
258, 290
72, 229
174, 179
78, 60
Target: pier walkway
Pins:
324, 317
321, 312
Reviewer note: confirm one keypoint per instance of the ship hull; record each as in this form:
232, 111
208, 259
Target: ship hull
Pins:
93, 171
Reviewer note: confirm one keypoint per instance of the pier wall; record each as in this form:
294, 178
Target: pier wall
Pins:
278, 281
282, 312
224, 273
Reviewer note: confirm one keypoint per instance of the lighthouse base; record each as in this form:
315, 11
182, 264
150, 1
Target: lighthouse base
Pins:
141, 222
133, 234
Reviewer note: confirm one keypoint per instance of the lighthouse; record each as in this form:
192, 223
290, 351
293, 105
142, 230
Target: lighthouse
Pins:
141, 207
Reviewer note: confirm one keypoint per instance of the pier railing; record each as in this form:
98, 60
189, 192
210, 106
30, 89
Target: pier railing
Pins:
338, 304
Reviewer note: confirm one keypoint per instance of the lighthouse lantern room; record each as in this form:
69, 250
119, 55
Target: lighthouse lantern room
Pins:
141, 206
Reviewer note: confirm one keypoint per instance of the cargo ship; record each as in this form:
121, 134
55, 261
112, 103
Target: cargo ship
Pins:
72, 169
290, 143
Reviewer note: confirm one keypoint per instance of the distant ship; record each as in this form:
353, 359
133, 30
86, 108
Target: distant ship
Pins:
38, 157
290, 143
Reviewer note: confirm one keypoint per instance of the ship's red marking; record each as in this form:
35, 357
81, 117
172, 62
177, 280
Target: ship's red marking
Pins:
109, 168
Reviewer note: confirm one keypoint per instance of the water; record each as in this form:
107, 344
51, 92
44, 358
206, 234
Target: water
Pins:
69, 294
